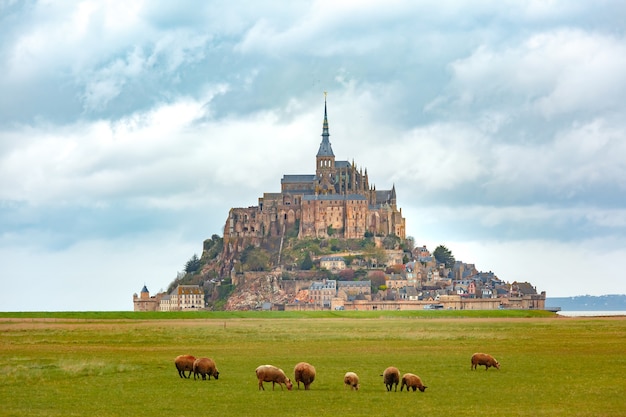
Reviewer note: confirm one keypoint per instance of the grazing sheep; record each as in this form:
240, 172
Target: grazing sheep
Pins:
412, 381
269, 373
305, 373
484, 359
351, 380
184, 363
204, 367
391, 377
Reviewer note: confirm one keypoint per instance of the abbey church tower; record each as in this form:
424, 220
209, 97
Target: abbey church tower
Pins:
325, 162
335, 201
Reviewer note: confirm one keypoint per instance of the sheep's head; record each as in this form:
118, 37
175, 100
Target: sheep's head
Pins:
289, 384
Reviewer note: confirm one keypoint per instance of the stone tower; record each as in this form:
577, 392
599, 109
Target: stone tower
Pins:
325, 171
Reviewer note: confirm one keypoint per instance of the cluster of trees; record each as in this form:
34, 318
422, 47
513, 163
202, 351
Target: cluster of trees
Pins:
300, 257
443, 255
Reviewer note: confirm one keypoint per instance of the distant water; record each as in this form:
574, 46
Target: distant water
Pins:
592, 313
593, 305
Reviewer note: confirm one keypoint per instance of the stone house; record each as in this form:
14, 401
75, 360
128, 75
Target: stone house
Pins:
321, 293
333, 263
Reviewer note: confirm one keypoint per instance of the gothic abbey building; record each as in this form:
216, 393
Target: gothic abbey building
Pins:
336, 201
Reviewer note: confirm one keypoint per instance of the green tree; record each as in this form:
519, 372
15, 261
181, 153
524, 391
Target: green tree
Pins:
212, 247
443, 255
255, 259
375, 256
409, 243
307, 263
391, 242
193, 264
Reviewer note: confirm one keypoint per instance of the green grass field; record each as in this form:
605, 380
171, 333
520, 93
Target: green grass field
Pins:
121, 364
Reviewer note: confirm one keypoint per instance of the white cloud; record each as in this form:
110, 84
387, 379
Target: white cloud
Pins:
567, 166
554, 72
92, 275
560, 268
164, 152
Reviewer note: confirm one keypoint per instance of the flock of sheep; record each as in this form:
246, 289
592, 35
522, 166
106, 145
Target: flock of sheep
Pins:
305, 373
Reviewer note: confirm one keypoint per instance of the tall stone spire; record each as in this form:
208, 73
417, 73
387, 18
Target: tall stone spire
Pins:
325, 148
325, 161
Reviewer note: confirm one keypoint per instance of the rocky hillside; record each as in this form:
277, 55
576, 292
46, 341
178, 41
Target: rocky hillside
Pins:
258, 288
271, 275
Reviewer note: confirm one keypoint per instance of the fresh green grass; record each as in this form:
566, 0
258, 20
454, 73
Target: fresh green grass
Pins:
154, 315
121, 364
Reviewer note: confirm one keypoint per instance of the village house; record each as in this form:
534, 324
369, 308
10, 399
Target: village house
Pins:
333, 263
182, 298
143, 301
351, 290
395, 281
321, 293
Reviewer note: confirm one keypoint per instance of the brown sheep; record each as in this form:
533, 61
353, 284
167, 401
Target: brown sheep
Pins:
269, 373
184, 363
391, 377
305, 373
484, 359
412, 381
351, 380
204, 367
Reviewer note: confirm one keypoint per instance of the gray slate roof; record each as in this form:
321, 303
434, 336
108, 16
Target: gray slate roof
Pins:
297, 178
329, 197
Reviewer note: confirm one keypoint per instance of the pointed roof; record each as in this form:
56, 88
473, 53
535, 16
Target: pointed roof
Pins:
325, 148
145, 289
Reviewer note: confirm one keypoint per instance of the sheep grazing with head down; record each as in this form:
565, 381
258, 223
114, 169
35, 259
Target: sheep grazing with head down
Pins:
484, 359
205, 367
270, 373
305, 373
184, 363
351, 380
412, 381
391, 377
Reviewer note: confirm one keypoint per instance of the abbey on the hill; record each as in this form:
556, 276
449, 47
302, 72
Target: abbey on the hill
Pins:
336, 201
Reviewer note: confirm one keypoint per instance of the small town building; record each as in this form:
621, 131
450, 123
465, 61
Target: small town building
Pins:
182, 298
333, 263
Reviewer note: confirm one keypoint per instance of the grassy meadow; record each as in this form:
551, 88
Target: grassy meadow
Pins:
122, 364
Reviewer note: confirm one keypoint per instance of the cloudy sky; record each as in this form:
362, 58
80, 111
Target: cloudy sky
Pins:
129, 128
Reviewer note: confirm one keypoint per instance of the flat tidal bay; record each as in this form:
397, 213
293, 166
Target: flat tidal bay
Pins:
550, 366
